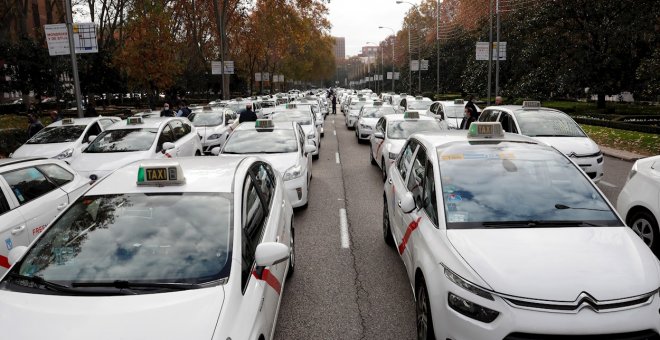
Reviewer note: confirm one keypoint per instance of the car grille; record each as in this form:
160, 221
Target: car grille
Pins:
586, 156
584, 300
592, 175
641, 335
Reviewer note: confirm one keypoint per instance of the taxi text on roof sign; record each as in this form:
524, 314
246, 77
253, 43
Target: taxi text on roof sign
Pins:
531, 104
291, 106
485, 130
411, 115
160, 174
67, 121
264, 124
134, 120
378, 103
459, 101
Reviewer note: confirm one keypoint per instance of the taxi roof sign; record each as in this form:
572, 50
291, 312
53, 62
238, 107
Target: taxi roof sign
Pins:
531, 104
459, 101
160, 174
134, 120
378, 103
411, 115
67, 121
419, 97
291, 106
264, 124
363, 99
486, 130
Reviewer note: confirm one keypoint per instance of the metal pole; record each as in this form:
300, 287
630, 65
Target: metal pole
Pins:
419, 68
74, 63
382, 69
437, 43
497, 61
409, 64
490, 48
393, 71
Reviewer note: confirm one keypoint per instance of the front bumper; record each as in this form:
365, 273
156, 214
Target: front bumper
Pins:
297, 191
350, 121
207, 146
592, 166
365, 134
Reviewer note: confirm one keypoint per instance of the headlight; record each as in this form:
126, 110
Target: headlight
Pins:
214, 136
293, 173
65, 154
362, 126
392, 155
471, 309
311, 136
470, 287
633, 172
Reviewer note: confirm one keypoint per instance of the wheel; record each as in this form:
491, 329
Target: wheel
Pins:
292, 253
383, 168
314, 157
423, 312
197, 153
646, 227
371, 155
387, 232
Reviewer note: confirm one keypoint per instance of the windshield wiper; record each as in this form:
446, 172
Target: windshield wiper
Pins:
563, 207
123, 284
537, 224
43, 282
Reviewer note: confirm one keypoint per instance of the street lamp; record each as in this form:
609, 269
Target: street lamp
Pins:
393, 41
377, 81
419, 53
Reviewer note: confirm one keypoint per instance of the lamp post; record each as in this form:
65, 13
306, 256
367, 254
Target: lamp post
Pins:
419, 53
393, 41
376, 81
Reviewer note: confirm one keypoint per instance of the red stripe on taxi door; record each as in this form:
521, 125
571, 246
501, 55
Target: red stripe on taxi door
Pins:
411, 227
4, 261
270, 279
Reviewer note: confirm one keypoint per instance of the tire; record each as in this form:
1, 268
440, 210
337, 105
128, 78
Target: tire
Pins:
383, 169
387, 231
292, 253
197, 153
371, 155
315, 157
423, 313
644, 224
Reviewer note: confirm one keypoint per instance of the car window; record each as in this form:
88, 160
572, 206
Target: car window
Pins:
417, 173
491, 116
94, 130
301, 139
434, 108
430, 203
56, 174
380, 126
404, 158
178, 129
165, 136
28, 184
263, 182
253, 226
187, 128
507, 123
106, 122
4, 205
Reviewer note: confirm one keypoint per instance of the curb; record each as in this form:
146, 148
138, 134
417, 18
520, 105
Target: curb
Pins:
621, 154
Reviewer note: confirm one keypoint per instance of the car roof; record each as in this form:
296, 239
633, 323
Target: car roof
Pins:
80, 121
438, 138
147, 123
400, 117
519, 108
276, 126
11, 161
202, 174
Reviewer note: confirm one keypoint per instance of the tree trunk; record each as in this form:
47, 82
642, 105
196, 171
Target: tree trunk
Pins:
601, 101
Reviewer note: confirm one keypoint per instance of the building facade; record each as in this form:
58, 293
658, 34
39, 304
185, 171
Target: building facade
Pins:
340, 49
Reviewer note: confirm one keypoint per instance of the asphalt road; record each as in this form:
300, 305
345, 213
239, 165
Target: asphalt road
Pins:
348, 284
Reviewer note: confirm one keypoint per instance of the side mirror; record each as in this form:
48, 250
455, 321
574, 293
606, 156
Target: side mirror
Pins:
229, 122
407, 202
91, 138
441, 114
270, 253
16, 253
215, 151
379, 135
309, 148
168, 146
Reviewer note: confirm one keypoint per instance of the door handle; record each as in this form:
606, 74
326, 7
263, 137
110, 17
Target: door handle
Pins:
61, 206
277, 239
389, 180
283, 203
18, 230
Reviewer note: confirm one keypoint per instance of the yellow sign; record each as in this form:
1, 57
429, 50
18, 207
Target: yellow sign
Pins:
156, 174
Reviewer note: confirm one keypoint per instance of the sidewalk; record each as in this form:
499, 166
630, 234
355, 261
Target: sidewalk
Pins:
620, 154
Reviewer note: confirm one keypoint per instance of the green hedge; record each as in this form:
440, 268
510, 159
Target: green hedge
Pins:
10, 140
619, 125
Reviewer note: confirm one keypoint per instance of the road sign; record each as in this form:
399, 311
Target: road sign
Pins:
257, 76
425, 65
216, 67
229, 67
414, 65
84, 38
265, 76
482, 50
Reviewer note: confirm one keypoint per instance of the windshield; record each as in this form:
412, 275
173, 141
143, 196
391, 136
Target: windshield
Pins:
267, 104
377, 112
159, 238
262, 141
419, 104
237, 107
57, 134
402, 129
302, 118
454, 111
547, 124
358, 105
206, 118
488, 183
125, 140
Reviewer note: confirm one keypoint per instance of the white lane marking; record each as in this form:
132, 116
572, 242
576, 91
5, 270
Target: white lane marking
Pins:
343, 229
607, 184
337, 157
334, 132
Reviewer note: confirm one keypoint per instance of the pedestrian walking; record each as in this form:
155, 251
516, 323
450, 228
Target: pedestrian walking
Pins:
499, 100
90, 110
166, 112
184, 111
334, 104
34, 125
470, 104
468, 118
248, 115
54, 116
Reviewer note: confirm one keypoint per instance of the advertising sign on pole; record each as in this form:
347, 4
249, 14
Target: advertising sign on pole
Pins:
84, 38
414, 65
265, 76
425, 65
389, 75
229, 67
482, 50
257, 76
396, 75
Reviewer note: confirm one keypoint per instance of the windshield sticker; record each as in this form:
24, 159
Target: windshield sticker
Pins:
507, 155
457, 217
9, 244
452, 157
448, 189
452, 207
454, 198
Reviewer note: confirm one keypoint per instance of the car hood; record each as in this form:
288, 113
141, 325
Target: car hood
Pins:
567, 145
395, 145
560, 263
130, 317
369, 121
280, 161
107, 161
42, 150
309, 129
206, 131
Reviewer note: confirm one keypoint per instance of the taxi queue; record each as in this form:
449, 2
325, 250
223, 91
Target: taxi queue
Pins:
529, 249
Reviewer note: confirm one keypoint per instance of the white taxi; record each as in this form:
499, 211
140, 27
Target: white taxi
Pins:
139, 256
418, 104
368, 117
353, 111
64, 139
392, 131
306, 120
450, 111
552, 127
503, 237
639, 201
313, 105
213, 125
32, 192
282, 144
134, 139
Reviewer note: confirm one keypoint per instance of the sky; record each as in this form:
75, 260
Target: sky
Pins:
358, 21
